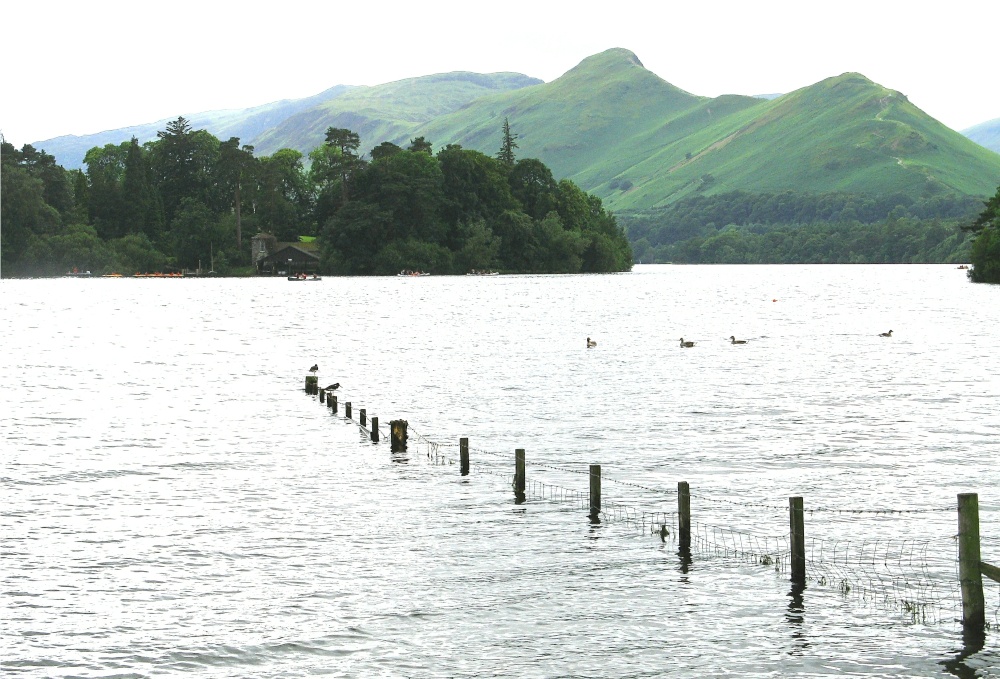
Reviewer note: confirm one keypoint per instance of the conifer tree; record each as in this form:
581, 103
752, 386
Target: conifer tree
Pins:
507, 146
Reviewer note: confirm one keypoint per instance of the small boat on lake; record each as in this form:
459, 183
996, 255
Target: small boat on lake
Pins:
407, 272
474, 272
303, 277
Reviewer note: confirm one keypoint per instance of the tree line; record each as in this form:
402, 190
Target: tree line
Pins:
174, 202
985, 253
793, 227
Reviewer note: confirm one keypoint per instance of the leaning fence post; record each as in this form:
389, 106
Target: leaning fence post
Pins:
519, 474
969, 572
374, 430
595, 491
796, 523
463, 456
683, 516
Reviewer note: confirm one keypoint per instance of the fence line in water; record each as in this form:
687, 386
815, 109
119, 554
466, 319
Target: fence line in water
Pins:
916, 577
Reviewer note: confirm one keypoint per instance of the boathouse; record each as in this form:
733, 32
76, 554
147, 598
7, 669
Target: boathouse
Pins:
274, 258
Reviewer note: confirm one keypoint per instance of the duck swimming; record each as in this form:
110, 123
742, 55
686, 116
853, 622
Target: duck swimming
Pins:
736, 341
885, 334
591, 343
686, 345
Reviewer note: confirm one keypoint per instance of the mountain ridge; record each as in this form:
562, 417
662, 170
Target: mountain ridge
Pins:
637, 141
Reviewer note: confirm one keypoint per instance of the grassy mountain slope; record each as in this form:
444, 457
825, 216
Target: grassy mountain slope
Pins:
841, 134
387, 112
639, 142
246, 124
580, 124
985, 134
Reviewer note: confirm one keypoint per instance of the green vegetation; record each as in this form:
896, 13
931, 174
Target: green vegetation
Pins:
176, 202
844, 170
985, 255
789, 227
461, 210
639, 142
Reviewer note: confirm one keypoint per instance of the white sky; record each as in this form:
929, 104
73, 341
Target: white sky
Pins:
72, 67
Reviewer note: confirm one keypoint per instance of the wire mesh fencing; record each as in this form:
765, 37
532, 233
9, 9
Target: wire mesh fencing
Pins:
917, 578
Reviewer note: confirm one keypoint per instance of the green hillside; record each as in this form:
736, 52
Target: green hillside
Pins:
390, 111
639, 142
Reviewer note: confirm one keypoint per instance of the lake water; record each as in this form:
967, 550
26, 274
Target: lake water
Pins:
175, 504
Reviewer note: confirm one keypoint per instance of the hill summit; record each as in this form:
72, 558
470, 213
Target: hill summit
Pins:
636, 140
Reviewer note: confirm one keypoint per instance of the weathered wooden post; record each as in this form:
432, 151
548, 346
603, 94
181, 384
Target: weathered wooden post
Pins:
797, 535
683, 516
312, 384
347, 409
519, 475
969, 572
329, 403
374, 430
595, 492
333, 403
322, 396
463, 456
397, 436
362, 418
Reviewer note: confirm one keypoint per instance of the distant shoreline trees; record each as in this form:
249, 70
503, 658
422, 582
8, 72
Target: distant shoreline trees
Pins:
175, 202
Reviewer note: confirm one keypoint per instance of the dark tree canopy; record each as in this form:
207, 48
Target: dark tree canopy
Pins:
187, 199
985, 253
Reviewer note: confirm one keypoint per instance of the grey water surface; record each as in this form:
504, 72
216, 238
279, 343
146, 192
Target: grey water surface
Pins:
174, 503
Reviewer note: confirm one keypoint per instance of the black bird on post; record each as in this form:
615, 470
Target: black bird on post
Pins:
333, 387
314, 368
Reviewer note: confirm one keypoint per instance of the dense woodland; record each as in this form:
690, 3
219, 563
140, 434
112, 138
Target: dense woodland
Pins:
792, 227
186, 197
985, 255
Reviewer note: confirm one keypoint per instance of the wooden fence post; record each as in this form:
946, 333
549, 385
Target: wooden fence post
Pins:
333, 403
322, 396
969, 572
374, 429
347, 410
312, 384
595, 491
362, 418
397, 436
463, 456
683, 516
796, 523
519, 475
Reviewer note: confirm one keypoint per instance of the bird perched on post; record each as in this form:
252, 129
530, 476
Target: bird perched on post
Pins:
314, 368
333, 387
885, 334
686, 345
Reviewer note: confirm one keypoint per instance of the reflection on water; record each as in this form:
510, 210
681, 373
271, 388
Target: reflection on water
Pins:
185, 507
796, 617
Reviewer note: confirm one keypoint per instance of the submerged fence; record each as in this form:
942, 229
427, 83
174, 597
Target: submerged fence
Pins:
927, 580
